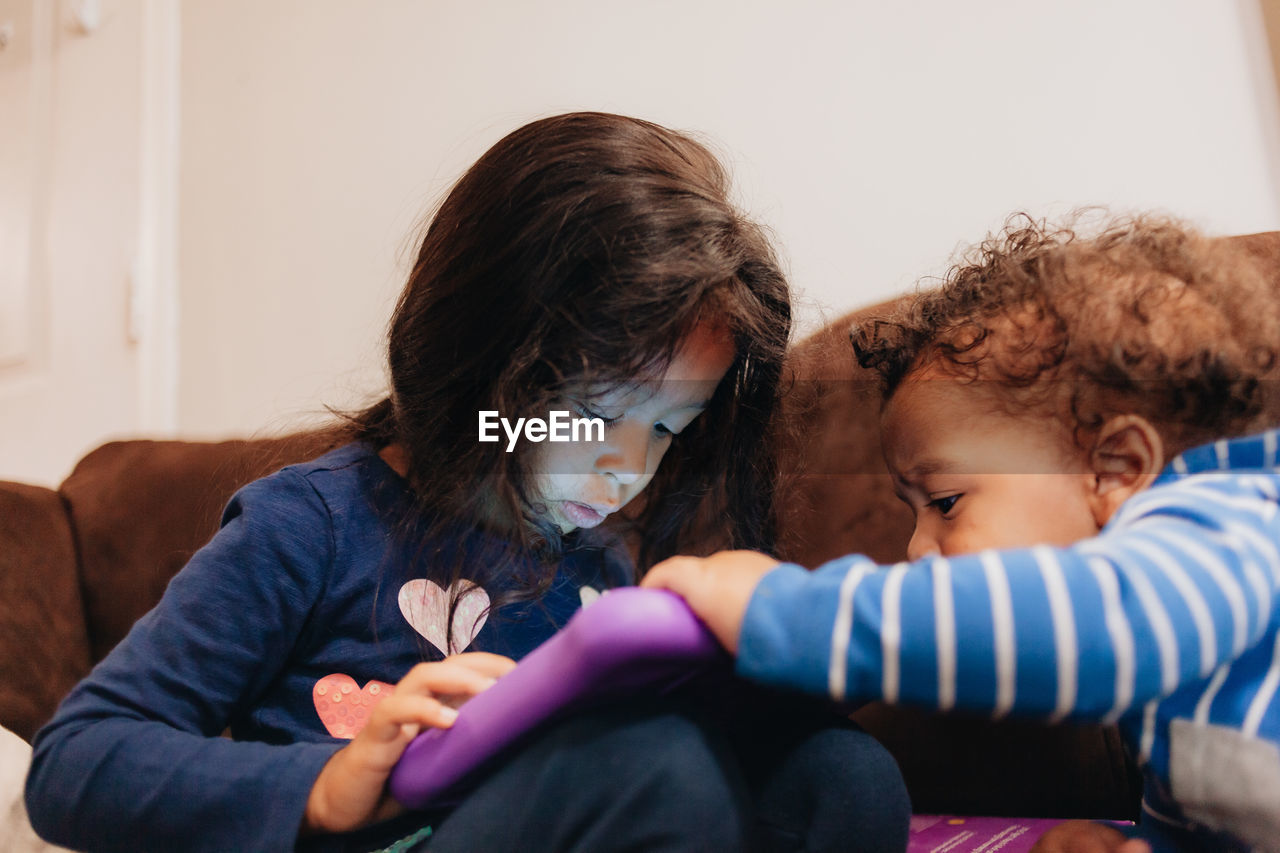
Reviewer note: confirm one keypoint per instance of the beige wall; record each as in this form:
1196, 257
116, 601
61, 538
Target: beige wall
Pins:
71, 115
873, 137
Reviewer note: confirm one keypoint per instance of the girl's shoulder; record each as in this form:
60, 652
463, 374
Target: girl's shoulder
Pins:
349, 476
345, 457
354, 465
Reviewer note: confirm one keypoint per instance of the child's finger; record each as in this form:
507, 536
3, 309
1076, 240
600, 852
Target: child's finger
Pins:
673, 573
485, 663
1084, 836
425, 712
400, 717
1134, 846
443, 677
355, 776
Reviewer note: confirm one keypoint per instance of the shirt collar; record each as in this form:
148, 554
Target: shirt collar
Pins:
1250, 452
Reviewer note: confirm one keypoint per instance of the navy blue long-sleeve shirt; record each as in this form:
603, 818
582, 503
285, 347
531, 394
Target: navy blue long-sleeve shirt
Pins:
283, 629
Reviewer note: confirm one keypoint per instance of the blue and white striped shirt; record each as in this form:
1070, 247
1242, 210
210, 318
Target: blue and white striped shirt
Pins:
1165, 622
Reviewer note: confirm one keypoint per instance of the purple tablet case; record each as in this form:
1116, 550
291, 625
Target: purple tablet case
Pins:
629, 641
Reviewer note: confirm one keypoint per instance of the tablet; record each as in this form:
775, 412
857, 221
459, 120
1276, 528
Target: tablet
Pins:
630, 641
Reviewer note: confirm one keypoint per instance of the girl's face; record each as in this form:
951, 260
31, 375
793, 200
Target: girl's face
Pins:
577, 484
977, 478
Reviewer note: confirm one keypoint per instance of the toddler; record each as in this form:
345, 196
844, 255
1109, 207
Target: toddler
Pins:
1075, 424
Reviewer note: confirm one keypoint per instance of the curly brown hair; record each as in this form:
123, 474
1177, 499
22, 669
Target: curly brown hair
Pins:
1143, 316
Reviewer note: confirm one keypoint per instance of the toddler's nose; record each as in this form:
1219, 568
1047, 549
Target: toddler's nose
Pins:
922, 545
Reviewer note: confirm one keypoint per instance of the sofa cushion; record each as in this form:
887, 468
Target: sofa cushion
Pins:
835, 495
44, 649
140, 509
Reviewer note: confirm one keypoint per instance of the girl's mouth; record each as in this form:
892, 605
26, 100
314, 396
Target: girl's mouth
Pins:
580, 514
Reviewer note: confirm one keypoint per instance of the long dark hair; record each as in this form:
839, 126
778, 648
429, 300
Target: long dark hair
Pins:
582, 247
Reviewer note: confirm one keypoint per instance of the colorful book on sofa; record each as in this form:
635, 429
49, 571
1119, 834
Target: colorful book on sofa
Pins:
949, 834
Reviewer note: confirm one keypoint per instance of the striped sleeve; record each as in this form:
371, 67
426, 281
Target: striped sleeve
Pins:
1183, 580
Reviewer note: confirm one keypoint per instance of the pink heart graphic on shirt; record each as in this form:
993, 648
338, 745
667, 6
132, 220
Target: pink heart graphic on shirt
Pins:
426, 606
343, 707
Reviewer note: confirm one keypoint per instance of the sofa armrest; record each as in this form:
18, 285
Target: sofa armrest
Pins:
141, 508
44, 648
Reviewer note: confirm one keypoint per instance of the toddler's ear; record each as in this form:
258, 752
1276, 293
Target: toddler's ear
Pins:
1126, 457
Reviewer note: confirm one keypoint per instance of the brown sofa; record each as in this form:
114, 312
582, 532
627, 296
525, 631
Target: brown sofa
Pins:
78, 565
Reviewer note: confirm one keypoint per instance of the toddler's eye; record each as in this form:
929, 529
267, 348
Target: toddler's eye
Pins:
663, 431
944, 505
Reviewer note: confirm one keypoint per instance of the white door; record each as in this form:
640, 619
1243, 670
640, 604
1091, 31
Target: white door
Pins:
82, 240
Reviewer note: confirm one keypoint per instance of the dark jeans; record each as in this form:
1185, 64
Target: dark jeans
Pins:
747, 770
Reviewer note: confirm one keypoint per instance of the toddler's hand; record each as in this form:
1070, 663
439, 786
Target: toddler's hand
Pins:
351, 788
717, 588
1085, 836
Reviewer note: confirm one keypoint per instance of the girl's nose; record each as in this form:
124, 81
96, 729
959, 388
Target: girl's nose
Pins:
625, 456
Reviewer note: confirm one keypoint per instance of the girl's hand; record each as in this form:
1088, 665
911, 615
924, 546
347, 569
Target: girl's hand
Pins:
1085, 836
717, 588
351, 788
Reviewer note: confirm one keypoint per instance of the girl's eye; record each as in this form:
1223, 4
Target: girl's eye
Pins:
944, 505
587, 413
663, 431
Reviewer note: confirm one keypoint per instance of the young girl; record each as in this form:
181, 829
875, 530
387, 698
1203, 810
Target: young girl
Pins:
1078, 426
588, 264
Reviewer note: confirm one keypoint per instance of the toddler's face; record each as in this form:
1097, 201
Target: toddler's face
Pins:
579, 484
979, 478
